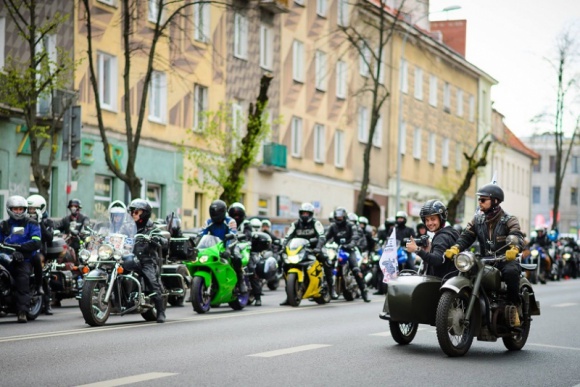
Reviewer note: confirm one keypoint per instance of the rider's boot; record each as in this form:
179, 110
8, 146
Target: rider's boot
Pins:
47, 309
241, 283
160, 306
329, 282
361, 285
22, 317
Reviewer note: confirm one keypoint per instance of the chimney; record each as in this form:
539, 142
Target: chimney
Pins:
454, 33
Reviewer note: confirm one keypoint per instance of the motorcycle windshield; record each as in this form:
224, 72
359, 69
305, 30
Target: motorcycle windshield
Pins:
297, 243
208, 241
120, 236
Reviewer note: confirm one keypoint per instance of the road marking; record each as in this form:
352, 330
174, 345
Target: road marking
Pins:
565, 304
388, 333
129, 380
555, 346
287, 351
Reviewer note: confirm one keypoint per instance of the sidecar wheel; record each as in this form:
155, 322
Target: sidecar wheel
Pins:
200, 299
95, 311
517, 342
454, 335
293, 291
403, 333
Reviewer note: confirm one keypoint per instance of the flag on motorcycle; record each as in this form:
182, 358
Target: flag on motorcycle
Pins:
389, 263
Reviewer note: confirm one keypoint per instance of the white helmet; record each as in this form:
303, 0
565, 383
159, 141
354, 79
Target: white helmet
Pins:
17, 201
363, 220
256, 224
37, 202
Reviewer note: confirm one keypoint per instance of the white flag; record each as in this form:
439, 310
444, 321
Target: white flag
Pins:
389, 263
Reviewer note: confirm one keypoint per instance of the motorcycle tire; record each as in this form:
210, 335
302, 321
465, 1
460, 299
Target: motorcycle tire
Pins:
403, 333
242, 301
180, 300
450, 310
151, 314
517, 342
200, 298
293, 290
94, 311
36, 303
274, 284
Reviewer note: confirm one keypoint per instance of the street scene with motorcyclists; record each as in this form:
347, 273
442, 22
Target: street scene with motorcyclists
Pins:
282, 192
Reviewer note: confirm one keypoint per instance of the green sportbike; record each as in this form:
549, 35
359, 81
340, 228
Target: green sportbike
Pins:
214, 278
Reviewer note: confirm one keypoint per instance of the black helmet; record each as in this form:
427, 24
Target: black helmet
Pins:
217, 211
74, 202
340, 215
492, 191
306, 212
434, 207
420, 226
141, 204
458, 227
238, 212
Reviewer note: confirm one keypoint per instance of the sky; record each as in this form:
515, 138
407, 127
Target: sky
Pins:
510, 40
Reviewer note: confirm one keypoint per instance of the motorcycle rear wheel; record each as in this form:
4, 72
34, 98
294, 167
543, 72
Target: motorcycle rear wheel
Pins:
94, 310
403, 333
200, 299
454, 335
274, 283
517, 342
293, 290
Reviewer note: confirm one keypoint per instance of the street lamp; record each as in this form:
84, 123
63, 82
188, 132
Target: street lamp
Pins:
400, 121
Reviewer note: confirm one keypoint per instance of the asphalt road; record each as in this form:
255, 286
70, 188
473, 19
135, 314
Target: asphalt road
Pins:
338, 344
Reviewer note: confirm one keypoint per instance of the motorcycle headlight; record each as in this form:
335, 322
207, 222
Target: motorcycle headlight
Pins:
464, 261
118, 255
566, 256
534, 253
84, 256
105, 251
203, 259
293, 258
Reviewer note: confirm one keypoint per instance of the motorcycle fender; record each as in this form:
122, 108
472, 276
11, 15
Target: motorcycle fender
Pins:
456, 284
298, 272
206, 277
96, 275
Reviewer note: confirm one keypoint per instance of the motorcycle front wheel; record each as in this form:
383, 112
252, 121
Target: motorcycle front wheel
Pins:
35, 307
200, 297
403, 333
454, 334
517, 342
293, 290
93, 307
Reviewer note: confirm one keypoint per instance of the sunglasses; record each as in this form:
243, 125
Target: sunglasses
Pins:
483, 200
138, 211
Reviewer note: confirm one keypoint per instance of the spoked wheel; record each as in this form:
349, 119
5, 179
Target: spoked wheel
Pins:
95, 310
200, 295
403, 333
517, 342
293, 290
454, 334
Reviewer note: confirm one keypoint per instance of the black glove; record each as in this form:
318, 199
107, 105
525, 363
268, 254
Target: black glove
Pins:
225, 254
17, 256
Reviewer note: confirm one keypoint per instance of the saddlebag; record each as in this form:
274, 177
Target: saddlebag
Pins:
412, 298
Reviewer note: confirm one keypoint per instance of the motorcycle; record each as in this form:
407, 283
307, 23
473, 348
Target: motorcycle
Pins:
113, 285
345, 282
214, 279
474, 304
174, 274
304, 274
570, 259
538, 257
557, 267
274, 282
61, 272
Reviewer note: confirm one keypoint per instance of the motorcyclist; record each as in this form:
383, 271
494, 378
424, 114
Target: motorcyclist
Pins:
255, 225
220, 225
174, 225
368, 234
76, 219
37, 212
404, 232
308, 227
26, 245
434, 214
237, 211
346, 232
267, 228
117, 212
421, 229
147, 252
492, 226
362, 241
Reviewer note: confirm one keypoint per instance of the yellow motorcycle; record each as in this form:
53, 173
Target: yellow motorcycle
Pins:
304, 274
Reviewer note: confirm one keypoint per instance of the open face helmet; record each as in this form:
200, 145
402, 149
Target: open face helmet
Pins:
141, 204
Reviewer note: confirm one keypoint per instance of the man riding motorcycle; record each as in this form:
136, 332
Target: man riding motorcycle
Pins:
75, 206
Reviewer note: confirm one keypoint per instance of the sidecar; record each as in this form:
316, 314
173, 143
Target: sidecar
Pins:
411, 300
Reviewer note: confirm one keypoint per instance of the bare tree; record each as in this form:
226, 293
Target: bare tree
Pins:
44, 68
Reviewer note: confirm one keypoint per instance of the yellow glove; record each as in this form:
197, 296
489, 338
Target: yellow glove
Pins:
451, 252
511, 254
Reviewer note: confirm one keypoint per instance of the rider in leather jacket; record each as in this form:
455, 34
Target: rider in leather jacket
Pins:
75, 207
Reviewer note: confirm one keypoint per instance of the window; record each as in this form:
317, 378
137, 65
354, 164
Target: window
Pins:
201, 22
107, 80
342, 13
320, 66
447, 98
552, 164
158, 97
341, 77
536, 195
574, 196
537, 166
378, 135
321, 8
403, 139
404, 76
419, 83
103, 195
296, 137
445, 153
433, 90
471, 108
417, 144
551, 192
154, 10
458, 157
298, 61
339, 148
263, 205
108, 2
266, 47
432, 154
459, 103
363, 124
364, 59
200, 106
154, 199
575, 164
2, 41
319, 145
45, 51
240, 36
299, 2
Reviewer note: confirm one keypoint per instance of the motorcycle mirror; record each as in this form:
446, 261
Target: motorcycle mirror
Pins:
342, 241
512, 240
18, 231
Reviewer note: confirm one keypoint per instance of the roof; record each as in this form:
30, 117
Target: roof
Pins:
512, 141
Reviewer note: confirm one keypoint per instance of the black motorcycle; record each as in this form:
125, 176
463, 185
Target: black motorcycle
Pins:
262, 265
61, 272
174, 274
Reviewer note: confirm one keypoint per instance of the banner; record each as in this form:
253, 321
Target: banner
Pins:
388, 262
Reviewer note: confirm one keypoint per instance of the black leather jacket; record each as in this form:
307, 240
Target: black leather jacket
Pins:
347, 231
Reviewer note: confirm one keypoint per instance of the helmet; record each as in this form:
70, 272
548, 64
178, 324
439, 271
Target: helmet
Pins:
238, 212
256, 224
217, 211
491, 190
117, 213
74, 202
118, 204
37, 202
390, 221
331, 217
553, 235
401, 214
17, 201
420, 225
458, 227
306, 212
353, 217
141, 204
340, 215
260, 242
175, 222
266, 223
363, 220
434, 207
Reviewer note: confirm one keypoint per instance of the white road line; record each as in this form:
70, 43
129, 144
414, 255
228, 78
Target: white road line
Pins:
382, 334
287, 351
565, 304
555, 346
129, 380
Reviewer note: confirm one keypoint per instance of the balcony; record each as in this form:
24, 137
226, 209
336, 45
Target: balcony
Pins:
274, 158
275, 6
